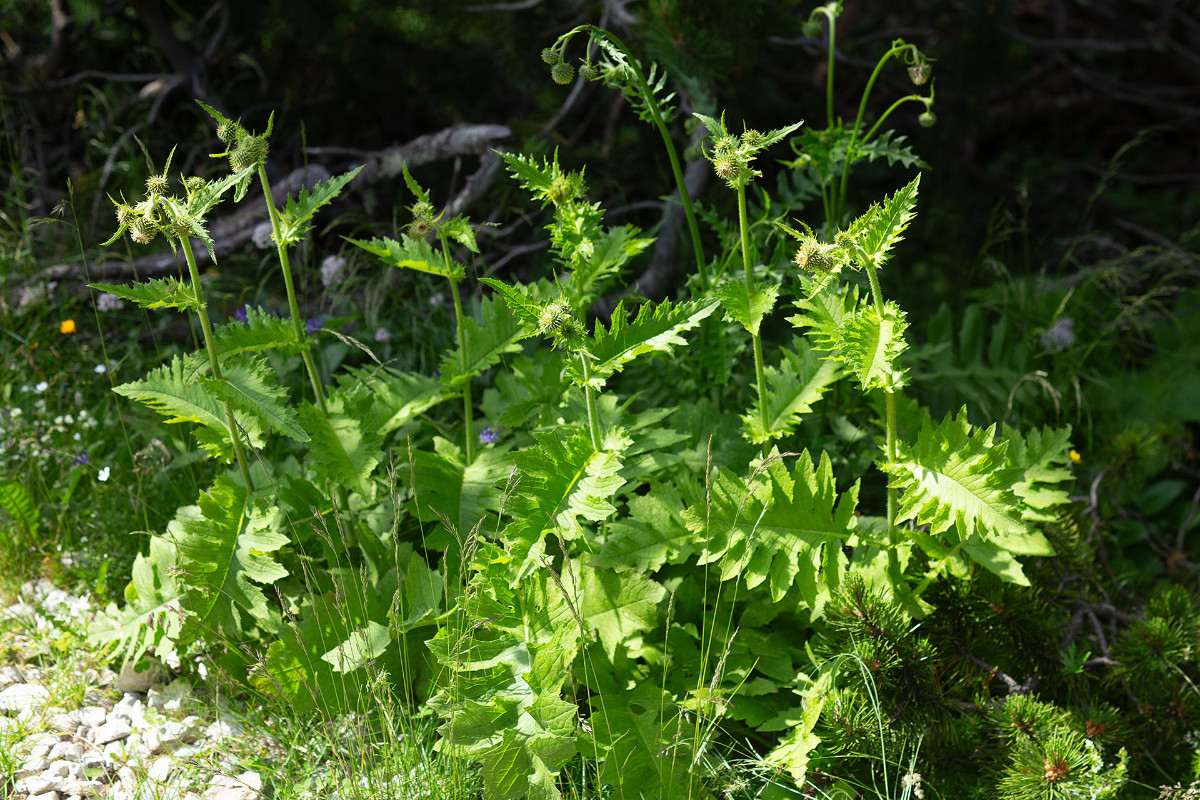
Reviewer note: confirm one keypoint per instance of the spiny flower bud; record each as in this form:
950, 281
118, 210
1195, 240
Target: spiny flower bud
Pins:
228, 132
725, 146
142, 230
419, 228
550, 55
184, 226
125, 216
919, 73
726, 168
589, 72
560, 190
562, 72
193, 184
814, 256
811, 29
251, 152
928, 119
157, 184
751, 138
550, 320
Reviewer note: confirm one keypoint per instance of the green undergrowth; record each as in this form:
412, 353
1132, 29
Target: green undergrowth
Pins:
768, 536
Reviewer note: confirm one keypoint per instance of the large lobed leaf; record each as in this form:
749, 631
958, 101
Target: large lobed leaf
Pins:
224, 546
785, 529
250, 386
745, 306
483, 343
410, 253
151, 616
400, 397
154, 293
293, 219
881, 228
346, 444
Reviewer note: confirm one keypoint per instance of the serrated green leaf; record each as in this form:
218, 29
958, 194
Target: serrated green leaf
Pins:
563, 480
888, 222
870, 344
444, 488
400, 397
955, 477
825, 314
892, 149
170, 392
484, 343
520, 301
747, 309
250, 385
151, 616
800, 381
346, 445
656, 329
294, 218
261, 331
592, 276
460, 230
224, 546
619, 605
1043, 458
651, 534
154, 293
410, 253
781, 528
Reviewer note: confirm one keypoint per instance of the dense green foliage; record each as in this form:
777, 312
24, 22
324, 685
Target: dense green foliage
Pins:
783, 529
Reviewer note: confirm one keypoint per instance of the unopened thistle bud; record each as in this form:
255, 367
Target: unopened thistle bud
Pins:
193, 184
928, 119
589, 72
251, 152
142, 230
419, 228
811, 29
552, 315
725, 146
183, 226
560, 190
228, 132
919, 73
726, 167
125, 216
550, 55
814, 257
562, 73
751, 138
157, 184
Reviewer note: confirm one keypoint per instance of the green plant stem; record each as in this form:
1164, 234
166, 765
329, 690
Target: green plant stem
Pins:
854, 140
589, 395
889, 398
293, 306
469, 444
906, 99
759, 372
676, 170
829, 68
206, 325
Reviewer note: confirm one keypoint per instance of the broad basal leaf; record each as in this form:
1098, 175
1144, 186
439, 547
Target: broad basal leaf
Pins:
656, 329
224, 548
747, 306
507, 655
410, 253
651, 534
346, 445
444, 487
954, 476
154, 293
563, 481
792, 389
251, 387
500, 332
618, 605
781, 528
151, 616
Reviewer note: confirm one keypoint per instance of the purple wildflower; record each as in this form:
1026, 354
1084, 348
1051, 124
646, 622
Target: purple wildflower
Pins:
82, 458
488, 436
240, 314
312, 325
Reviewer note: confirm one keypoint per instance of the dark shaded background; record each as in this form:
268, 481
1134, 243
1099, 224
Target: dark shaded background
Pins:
1034, 100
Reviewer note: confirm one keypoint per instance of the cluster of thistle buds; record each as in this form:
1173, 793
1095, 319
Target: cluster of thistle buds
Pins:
245, 149
423, 219
562, 72
159, 211
731, 157
558, 321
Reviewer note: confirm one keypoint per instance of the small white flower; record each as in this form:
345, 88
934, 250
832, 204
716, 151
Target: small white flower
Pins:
382, 335
103, 474
437, 300
100, 369
42, 386
262, 236
77, 436
1060, 336
333, 269
109, 302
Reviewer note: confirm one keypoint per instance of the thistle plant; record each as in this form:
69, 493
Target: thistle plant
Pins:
827, 155
178, 221
618, 69
748, 303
